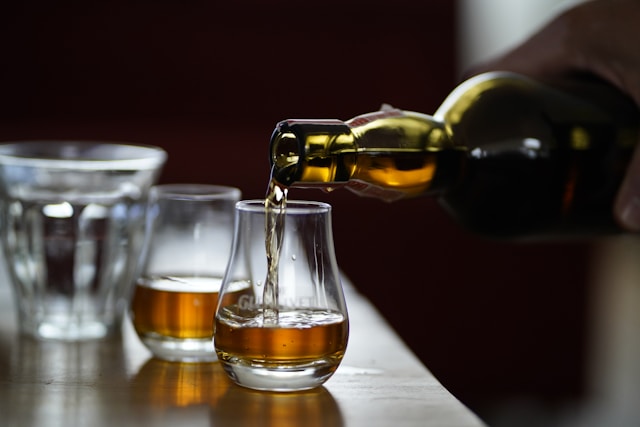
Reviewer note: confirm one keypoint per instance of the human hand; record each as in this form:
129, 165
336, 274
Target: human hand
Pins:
597, 37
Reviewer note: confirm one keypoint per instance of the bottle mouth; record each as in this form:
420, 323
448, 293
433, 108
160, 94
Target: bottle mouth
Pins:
285, 150
285, 155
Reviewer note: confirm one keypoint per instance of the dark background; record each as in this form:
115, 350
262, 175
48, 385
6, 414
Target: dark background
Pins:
493, 321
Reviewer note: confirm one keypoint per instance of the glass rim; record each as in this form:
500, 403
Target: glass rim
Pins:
293, 207
81, 155
197, 191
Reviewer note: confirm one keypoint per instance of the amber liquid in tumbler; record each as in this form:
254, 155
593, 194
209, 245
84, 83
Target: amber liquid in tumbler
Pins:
177, 307
301, 337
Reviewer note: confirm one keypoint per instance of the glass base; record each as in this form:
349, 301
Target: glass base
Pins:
180, 350
281, 377
63, 328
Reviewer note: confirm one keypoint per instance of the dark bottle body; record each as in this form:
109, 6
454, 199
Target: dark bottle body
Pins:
507, 156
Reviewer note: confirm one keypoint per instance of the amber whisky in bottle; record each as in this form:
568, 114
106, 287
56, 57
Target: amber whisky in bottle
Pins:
506, 155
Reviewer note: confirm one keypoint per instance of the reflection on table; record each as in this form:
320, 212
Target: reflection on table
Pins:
116, 382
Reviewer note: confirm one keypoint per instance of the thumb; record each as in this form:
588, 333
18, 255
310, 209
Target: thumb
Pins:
626, 208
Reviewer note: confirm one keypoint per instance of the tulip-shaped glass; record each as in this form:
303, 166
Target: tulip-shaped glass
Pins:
288, 331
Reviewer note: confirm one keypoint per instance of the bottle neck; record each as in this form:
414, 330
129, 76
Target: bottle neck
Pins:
387, 154
301, 150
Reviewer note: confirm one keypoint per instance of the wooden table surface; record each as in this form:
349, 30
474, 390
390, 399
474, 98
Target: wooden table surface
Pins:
117, 383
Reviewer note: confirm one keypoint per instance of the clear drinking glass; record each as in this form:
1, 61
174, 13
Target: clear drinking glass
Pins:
189, 236
72, 230
288, 331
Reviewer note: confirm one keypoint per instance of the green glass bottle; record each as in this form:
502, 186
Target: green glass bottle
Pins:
506, 155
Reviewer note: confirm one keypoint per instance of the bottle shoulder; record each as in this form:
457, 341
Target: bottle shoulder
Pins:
561, 101
399, 131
